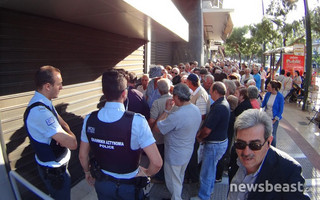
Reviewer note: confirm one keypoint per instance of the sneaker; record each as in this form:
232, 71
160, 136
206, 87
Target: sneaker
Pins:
218, 180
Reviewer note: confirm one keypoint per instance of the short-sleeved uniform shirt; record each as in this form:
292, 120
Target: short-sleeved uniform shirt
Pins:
141, 135
42, 125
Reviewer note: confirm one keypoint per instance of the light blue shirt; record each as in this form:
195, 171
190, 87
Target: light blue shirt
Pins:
241, 177
179, 130
141, 135
257, 79
42, 125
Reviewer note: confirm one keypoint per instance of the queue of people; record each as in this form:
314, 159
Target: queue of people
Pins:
191, 129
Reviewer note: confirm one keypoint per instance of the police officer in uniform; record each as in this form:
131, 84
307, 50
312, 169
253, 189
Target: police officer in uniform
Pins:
115, 137
50, 136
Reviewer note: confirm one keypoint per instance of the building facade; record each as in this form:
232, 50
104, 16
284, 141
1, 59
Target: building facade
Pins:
82, 39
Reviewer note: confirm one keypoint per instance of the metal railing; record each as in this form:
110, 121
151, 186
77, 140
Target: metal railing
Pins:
14, 176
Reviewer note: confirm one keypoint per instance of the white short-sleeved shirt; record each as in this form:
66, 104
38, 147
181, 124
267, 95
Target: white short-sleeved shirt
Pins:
201, 102
141, 135
42, 125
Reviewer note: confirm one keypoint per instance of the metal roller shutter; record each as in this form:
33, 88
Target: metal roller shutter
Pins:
161, 53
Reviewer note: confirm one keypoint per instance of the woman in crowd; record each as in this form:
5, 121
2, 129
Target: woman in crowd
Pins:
246, 76
287, 85
244, 102
297, 78
273, 104
253, 94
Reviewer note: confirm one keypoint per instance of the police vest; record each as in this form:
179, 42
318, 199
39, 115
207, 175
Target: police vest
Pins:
44, 152
110, 143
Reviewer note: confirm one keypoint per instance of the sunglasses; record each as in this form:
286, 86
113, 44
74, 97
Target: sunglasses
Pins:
174, 73
254, 146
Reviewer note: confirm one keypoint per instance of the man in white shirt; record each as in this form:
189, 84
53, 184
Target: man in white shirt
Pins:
200, 98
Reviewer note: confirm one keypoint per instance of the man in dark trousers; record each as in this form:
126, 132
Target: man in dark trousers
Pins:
115, 137
50, 136
263, 172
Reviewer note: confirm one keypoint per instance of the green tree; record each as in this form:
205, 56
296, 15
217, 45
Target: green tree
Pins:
278, 11
263, 34
252, 48
237, 42
315, 22
315, 30
316, 58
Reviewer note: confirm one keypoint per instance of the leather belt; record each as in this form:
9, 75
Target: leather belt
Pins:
216, 142
54, 170
131, 181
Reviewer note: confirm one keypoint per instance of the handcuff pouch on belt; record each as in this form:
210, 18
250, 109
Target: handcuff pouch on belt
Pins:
142, 181
95, 170
55, 176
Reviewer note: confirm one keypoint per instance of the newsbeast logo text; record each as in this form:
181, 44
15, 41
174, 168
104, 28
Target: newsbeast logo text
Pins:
267, 187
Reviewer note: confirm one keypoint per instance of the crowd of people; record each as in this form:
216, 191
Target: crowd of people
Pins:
193, 123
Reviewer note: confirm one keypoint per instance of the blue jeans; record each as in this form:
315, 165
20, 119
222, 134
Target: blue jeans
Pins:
64, 192
110, 190
274, 133
212, 153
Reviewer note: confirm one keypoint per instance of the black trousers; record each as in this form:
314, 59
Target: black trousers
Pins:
193, 169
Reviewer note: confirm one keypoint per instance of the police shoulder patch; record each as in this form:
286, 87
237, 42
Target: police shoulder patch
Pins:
50, 121
91, 129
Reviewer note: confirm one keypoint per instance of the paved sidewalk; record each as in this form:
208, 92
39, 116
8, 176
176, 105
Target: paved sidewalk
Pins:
295, 136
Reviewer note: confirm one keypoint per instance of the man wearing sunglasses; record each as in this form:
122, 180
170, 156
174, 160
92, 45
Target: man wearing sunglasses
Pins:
264, 172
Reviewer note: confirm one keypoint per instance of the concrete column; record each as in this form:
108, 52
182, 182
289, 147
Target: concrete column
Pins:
192, 50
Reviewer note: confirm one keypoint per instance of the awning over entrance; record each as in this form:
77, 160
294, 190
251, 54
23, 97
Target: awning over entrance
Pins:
288, 49
217, 24
142, 19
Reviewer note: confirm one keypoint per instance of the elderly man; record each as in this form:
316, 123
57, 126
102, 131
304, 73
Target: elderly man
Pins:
200, 98
152, 92
246, 76
207, 82
214, 135
179, 129
135, 101
175, 73
157, 109
231, 87
275, 173
144, 84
